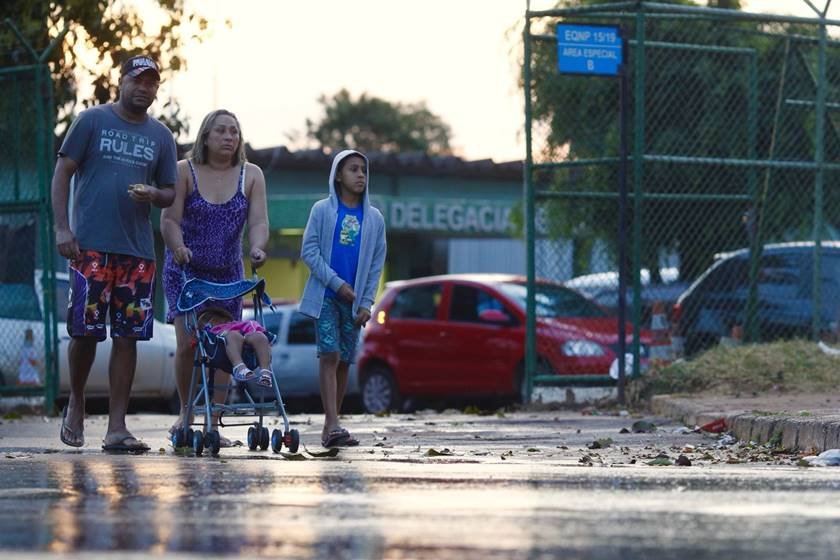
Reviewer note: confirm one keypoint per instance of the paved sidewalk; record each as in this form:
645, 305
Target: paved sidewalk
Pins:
804, 422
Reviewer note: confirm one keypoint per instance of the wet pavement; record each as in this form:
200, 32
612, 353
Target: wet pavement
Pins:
425, 485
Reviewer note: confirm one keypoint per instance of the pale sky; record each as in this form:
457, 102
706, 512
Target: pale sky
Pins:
279, 55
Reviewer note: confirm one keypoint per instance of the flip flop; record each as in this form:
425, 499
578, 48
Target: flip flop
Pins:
74, 438
128, 444
335, 438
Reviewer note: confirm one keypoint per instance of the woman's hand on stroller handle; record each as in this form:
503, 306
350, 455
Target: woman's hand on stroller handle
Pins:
182, 255
258, 257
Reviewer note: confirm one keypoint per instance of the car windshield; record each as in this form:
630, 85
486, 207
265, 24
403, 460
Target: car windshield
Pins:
553, 301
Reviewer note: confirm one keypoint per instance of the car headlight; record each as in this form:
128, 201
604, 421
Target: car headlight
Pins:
581, 348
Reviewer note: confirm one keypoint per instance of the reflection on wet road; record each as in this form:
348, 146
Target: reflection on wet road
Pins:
369, 504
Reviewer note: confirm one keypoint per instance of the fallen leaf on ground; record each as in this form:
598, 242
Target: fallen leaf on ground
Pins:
332, 452
659, 462
643, 427
293, 456
432, 452
601, 443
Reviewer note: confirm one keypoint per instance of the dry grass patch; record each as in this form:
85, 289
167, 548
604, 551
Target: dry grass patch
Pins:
794, 366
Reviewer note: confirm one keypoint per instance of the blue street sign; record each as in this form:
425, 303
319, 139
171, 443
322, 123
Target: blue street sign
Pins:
589, 49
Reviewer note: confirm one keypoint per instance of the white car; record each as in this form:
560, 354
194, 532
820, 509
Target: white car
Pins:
294, 355
154, 377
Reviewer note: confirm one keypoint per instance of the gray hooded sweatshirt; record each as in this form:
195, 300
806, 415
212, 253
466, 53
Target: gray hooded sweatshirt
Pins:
316, 249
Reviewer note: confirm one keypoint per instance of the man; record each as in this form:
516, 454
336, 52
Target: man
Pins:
117, 152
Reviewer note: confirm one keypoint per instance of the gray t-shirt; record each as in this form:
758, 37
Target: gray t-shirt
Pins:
112, 154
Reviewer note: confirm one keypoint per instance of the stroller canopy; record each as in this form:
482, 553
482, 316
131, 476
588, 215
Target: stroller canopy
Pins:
197, 291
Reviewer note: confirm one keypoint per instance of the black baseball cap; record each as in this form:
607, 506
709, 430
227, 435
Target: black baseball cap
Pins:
136, 65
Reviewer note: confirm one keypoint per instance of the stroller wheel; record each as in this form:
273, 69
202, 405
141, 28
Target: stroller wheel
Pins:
213, 442
177, 439
198, 443
276, 440
253, 439
264, 438
293, 440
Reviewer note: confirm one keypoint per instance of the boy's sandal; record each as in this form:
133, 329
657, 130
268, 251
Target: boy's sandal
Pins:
266, 377
242, 373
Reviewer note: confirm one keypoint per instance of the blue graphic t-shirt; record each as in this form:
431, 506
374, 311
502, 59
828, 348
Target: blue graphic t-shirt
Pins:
346, 242
112, 154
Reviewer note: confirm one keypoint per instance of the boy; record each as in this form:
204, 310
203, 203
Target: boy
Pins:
344, 248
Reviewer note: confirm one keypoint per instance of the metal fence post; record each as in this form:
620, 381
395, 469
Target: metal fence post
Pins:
819, 158
530, 219
638, 180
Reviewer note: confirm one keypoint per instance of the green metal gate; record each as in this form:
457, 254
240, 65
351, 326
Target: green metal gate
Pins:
733, 141
27, 279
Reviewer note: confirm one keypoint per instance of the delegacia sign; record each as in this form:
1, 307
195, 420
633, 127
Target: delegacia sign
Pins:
453, 215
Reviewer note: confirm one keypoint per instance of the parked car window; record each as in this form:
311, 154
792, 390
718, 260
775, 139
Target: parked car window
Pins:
301, 329
730, 275
781, 277
19, 301
62, 298
417, 302
273, 321
468, 303
553, 301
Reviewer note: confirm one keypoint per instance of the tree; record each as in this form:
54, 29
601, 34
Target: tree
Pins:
100, 35
370, 123
696, 105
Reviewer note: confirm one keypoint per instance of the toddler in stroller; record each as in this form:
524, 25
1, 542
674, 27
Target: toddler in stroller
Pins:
239, 347
235, 335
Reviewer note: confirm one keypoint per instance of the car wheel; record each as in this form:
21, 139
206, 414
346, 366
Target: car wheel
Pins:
379, 391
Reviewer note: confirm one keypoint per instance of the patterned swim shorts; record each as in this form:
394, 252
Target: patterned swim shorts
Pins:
121, 284
335, 331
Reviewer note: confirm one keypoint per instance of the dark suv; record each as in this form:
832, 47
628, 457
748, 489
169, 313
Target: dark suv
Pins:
714, 306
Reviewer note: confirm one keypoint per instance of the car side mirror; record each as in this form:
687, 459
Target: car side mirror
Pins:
494, 316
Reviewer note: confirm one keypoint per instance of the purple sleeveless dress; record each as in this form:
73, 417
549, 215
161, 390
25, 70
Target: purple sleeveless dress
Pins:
213, 232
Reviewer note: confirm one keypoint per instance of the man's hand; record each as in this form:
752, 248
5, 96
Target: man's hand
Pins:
346, 293
142, 193
362, 317
257, 257
182, 255
67, 245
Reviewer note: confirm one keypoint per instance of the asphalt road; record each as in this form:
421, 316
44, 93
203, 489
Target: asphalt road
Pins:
425, 485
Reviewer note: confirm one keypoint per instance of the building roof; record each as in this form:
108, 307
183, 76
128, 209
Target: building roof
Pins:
406, 163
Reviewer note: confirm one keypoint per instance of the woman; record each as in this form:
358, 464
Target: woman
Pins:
217, 192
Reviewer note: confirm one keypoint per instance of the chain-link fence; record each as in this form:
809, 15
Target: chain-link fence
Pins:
28, 349
734, 138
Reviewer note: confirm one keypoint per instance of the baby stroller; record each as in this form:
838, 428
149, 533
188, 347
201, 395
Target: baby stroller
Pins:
209, 354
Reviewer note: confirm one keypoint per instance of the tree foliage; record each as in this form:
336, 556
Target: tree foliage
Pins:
100, 35
370, 123
696, 105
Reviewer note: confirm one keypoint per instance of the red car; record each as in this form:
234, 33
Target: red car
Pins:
464, 334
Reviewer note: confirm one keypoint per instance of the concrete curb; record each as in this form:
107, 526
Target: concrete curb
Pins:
815, 432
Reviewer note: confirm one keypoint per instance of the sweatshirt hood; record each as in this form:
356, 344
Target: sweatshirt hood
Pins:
336, 161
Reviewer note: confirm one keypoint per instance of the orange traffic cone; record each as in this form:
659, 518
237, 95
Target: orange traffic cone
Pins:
660, 343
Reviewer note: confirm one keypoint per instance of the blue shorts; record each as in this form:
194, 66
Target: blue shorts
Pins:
335, 331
